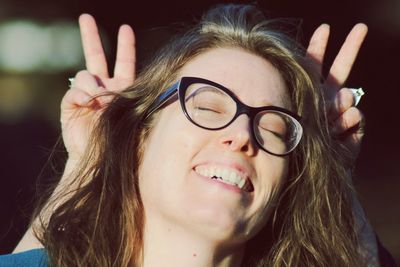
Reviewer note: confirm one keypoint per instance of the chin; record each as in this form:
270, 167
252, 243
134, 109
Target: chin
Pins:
213, 220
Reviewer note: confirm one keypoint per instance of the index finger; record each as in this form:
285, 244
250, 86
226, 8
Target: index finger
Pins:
344, 60
95, 58
317, 46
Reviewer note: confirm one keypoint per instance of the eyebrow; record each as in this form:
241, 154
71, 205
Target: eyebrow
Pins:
208, 88
286, 102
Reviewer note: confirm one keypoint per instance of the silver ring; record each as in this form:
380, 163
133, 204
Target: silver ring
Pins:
357, 93
71, 82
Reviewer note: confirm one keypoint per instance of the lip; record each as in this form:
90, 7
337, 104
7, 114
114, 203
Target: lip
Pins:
239, 167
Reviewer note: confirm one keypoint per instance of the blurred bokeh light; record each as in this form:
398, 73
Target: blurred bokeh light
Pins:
27, 46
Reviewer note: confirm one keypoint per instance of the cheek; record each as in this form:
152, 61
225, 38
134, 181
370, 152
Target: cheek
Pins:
172, 133
168, 151
273, 173
181, 138
276, 171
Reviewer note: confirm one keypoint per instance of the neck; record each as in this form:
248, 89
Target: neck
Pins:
166, 244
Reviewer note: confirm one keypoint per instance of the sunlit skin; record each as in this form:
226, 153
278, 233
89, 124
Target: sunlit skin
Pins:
78, 115
183, 207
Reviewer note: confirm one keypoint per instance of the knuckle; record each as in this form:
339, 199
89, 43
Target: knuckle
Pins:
81, 74
346, 99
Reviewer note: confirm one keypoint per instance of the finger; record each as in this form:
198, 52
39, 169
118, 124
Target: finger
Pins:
93, 50
354, 140
75, 98
343, 101
85, 81
126, 57
351, 119
104, 99
354, 137
317, 46
344, 60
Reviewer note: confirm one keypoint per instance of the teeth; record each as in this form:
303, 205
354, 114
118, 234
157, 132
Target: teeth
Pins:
227, 175
241, 183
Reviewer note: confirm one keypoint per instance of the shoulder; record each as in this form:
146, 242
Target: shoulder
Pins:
31, 258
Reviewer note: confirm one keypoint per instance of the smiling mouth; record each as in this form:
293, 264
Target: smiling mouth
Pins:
226, 175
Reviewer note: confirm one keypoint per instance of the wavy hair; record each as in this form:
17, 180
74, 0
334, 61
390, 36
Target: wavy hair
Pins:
101, 222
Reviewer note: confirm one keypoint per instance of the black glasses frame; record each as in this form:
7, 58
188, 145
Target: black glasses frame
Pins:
241, 108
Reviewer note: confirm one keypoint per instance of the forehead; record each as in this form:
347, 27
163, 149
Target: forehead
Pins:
252, 78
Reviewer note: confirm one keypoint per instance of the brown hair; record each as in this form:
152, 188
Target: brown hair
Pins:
102, 221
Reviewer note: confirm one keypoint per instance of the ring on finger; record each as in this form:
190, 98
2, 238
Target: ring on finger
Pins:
357, 93
71, 82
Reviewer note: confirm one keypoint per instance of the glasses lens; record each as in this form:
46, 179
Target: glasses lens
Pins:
277, 132
209, 106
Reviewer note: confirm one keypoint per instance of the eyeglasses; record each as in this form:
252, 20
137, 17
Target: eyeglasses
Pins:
212, 106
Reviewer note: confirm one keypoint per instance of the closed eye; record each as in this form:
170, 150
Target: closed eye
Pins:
208, 109
277, 134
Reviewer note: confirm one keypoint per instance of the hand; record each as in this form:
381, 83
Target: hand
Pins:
346, 120
79, 110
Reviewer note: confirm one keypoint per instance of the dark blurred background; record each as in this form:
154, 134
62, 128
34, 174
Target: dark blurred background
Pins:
40, 48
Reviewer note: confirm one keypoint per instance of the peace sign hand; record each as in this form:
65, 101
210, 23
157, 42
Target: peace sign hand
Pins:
79, 111
345, 119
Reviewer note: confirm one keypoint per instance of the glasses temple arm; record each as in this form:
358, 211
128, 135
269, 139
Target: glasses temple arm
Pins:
163, 98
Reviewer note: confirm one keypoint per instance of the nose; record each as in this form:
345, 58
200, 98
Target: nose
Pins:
238, 137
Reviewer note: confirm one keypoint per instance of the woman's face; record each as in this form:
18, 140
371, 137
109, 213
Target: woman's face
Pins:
174, 187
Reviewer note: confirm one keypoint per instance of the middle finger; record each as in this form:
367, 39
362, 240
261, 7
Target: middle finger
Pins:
343, 101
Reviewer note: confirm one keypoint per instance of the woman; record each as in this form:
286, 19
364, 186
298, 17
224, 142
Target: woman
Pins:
182, 170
